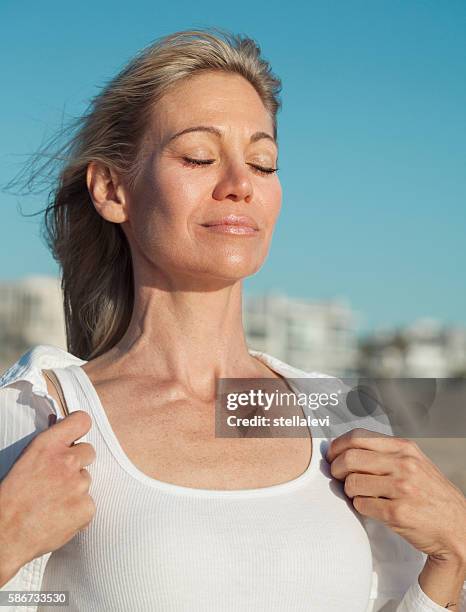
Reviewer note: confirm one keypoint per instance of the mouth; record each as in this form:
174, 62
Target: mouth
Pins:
233, 224
239, 230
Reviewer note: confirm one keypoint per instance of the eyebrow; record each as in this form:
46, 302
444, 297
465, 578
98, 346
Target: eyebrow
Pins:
213, 130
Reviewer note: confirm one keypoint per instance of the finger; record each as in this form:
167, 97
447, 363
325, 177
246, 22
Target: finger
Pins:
376, 508
362, 461
367, 439
370, 486
69, 429
86, 478
85, 452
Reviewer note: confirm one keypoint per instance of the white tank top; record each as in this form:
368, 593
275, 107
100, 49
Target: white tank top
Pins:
156, 546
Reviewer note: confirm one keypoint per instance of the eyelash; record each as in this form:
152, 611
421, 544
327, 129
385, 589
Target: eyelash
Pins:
205, 162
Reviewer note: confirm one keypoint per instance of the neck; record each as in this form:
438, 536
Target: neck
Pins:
189, 336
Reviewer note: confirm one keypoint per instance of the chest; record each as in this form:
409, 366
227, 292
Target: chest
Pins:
175, 441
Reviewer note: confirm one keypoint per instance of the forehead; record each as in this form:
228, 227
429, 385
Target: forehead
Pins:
220, 99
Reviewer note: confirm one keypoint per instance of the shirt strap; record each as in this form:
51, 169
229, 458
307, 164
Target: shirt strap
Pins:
50, 374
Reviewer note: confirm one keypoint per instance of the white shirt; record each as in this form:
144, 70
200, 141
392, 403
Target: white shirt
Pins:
152, 545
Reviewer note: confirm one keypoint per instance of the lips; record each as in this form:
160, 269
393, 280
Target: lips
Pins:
237, 220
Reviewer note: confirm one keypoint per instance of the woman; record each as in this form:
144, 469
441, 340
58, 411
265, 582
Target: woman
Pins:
168, 200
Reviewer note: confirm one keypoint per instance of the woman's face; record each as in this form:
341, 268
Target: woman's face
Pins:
174, 198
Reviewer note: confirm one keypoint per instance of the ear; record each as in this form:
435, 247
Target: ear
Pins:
107, 192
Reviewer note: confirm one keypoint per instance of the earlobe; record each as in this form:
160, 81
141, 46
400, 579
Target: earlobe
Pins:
111, 211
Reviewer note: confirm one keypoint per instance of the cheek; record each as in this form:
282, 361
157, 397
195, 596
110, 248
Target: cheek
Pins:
178, 192
162, 209
273, 198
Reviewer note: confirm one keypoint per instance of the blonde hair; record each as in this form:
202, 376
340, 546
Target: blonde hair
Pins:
93, 254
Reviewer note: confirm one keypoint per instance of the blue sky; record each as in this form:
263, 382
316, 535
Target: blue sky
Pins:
372, 136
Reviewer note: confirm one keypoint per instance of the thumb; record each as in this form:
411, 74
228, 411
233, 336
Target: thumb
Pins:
70, 428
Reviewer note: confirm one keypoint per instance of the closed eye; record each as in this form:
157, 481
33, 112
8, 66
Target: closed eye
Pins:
203, 162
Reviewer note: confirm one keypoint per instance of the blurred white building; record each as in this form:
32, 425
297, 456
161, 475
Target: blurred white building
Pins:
424, 349
31, 313
310, 335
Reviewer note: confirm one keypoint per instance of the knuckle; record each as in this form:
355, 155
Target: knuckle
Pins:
347, 486
396, 512
350, 456
88, 450
410, 465
351, 482
85, 480
71, 461
358, 503
404, 486
409, 445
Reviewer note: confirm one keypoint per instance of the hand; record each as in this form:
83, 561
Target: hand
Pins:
44, 498
391, 480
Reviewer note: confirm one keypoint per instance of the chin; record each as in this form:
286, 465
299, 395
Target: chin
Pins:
238, 266
229, 270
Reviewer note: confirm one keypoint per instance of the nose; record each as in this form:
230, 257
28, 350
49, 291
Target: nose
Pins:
234, 183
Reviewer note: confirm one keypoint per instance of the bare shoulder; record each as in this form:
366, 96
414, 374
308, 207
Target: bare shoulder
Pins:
52, 391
